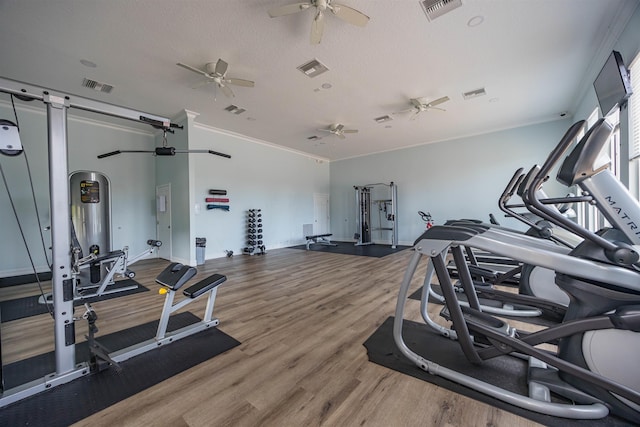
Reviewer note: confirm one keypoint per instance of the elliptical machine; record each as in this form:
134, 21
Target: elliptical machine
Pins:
595, 367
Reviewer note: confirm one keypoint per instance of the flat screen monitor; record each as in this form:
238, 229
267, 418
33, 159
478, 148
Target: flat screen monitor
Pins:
612, 85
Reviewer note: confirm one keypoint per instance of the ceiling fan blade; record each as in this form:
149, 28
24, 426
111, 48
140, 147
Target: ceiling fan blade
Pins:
190, 68
239, 82
436, 108
415, 115
438, 101
288, 9
325, 130
338, 127
227, 91
221, 67
349, 15
341, 136
350, 131
317, 28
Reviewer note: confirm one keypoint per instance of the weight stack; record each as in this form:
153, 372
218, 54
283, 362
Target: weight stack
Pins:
255, 243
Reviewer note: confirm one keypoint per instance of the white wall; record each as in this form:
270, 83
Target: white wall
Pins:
461, 178
280, 182
258, 176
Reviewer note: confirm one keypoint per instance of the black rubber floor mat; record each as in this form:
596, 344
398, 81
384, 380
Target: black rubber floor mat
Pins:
29, 306
506, 372
348, 248
74, 401
24, 279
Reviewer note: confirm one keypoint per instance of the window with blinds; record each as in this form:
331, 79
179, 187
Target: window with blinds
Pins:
634, 110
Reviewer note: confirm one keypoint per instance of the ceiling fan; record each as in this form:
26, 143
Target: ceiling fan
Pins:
217, 73
338, 130
343, 12
420, 105
165, 150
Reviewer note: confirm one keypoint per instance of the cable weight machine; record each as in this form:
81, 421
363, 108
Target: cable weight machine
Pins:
57, 104
387, 210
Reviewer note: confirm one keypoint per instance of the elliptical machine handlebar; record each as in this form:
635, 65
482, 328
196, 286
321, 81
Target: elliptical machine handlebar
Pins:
517, 185
617, 252
509, 191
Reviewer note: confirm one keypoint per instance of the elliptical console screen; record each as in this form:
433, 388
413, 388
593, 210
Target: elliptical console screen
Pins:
612, 85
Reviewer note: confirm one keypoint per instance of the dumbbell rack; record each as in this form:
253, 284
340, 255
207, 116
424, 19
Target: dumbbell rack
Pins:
254, 233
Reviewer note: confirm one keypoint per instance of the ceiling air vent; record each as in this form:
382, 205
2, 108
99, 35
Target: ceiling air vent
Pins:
382, 119
97, 86
235, 109
314, 138
474, 93
436, 8
313, 68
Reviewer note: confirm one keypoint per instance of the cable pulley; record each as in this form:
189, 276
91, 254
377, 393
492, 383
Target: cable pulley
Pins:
10, 144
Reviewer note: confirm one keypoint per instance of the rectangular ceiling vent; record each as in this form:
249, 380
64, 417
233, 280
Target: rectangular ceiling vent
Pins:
383, 119
97, 86
314, 138
474, 93
235, 109
313, 68
436, 8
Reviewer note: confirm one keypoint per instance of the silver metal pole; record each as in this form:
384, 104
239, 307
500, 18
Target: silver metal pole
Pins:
60, 234
394, 212
62, 281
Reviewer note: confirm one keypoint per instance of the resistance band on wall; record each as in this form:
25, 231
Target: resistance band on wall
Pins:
213, 200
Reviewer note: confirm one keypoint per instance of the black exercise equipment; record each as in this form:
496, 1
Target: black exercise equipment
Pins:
255, 246
594, 369
165, 150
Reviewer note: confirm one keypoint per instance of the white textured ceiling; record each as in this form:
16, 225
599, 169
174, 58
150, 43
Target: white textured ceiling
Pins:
533, 57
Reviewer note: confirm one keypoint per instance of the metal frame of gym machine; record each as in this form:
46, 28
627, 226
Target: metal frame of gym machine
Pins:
621, 210
364, 205
62, 282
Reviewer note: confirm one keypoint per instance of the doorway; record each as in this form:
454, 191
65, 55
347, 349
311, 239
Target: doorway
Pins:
321, 213
163, 220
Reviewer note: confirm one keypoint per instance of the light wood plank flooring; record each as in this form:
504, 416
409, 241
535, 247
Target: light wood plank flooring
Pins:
302, 317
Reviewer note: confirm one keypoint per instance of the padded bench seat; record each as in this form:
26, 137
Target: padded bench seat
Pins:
204, 285
321, 239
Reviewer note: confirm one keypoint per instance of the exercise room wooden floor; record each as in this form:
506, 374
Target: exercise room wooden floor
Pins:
302, 317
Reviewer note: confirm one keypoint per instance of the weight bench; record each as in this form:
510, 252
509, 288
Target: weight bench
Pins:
320, 239
173, 278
